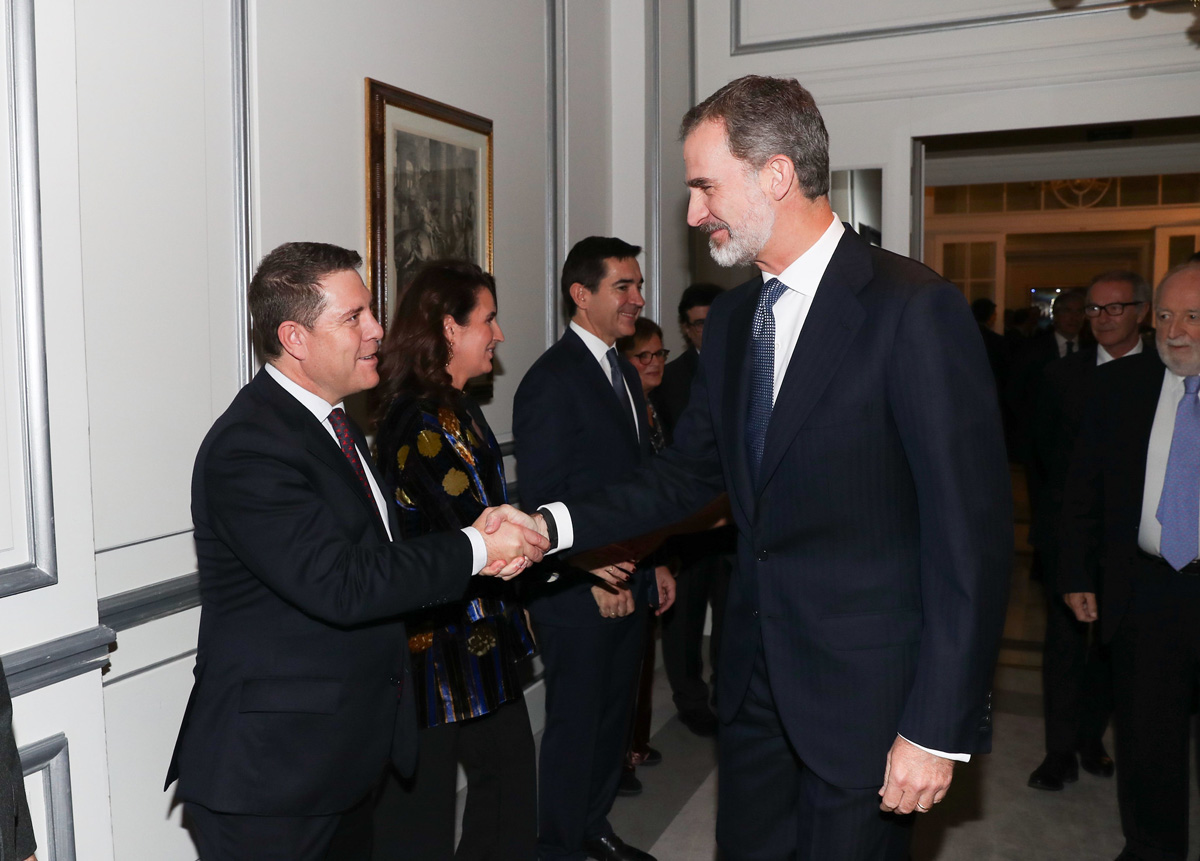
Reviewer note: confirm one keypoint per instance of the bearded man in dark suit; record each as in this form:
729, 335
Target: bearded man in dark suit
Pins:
1129, 546
302, 696
845, 402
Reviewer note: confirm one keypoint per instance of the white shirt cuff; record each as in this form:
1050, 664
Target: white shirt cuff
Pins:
957, 757
478, 549
562, 522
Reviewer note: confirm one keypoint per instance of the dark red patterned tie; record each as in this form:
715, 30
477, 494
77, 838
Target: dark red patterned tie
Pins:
341, 427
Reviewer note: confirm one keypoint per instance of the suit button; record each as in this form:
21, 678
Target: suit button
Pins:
762, 556
755, 614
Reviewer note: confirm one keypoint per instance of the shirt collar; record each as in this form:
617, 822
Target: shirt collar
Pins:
315, 404
1103, 356
805, 272
595, 346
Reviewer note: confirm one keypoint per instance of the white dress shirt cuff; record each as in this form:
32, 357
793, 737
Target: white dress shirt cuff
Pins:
478, 549
957, 757
562, 522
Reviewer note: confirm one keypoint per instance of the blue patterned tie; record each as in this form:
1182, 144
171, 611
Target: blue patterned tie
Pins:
1179, 505
762, 372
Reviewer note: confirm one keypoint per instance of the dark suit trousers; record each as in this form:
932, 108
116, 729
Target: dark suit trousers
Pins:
1156, 658
414, 818
1076, 680
699, 582
771, 807
239, 837
591, 673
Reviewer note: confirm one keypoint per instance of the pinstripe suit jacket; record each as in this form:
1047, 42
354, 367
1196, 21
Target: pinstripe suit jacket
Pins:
875, 544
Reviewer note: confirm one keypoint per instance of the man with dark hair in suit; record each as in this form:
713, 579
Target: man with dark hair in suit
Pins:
845, 402
302, 695
1129, 546
580, 421
16, 828
1076, 679
706, 557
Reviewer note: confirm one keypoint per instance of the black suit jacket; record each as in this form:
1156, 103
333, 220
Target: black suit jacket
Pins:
671, 396
16, 828
1102, 503
876, 543
294, 710
573, 436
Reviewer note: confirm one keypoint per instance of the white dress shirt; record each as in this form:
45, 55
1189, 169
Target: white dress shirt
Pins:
320, 408
1103, 357
1150, 531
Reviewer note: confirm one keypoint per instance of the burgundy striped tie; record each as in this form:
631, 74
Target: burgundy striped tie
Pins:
341, 427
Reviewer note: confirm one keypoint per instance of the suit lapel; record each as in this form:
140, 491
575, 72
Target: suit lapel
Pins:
736, 397
833, 317
599, 386
321, 444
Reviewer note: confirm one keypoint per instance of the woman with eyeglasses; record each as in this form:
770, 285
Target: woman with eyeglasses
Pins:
437, 450
644, 349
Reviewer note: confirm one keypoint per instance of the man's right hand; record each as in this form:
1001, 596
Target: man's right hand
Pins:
512, 539
1084, 605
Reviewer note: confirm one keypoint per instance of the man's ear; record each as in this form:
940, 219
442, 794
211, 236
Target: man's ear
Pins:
581, 294
294, 339
779, 174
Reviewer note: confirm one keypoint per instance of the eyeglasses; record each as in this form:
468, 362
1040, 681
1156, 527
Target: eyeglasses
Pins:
1112, 309
646, 356
695, 324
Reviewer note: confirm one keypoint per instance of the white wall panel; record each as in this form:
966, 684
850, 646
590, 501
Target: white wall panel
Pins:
155, 161
310, 59
72, 708
145, 694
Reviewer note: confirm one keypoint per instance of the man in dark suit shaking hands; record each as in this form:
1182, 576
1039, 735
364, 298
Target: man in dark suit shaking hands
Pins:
844, 400
301, 693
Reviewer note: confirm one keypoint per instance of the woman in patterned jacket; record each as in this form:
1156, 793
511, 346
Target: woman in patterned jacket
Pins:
436, 449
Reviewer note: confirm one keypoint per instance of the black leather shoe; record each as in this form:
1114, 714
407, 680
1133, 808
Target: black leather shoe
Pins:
629, 784
1094, 759
1056, 770
613, 848
702, 723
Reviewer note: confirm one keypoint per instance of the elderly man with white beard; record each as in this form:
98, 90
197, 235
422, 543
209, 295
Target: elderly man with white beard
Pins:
1130, 541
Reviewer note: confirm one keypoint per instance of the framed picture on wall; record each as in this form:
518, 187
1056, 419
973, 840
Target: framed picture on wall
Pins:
429, 189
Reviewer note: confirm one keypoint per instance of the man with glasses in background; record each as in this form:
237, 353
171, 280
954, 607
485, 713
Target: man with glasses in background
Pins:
1076, 678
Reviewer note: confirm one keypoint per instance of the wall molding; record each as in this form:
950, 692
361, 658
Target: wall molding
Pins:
738, 46
40, 568
149, 603
51, 758
243, 183
653, 273
58, 660
556, 160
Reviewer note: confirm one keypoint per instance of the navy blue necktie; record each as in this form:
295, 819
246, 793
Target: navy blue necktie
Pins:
1179, 504
618, 384
762, 372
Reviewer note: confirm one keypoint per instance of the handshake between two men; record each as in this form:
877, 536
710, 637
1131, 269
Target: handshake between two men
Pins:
514, 540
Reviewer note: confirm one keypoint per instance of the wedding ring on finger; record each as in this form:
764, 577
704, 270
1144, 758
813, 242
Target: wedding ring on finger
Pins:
921, 807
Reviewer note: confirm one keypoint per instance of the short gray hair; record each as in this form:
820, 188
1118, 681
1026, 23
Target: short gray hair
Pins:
1189, 266
1141, 287
765, 117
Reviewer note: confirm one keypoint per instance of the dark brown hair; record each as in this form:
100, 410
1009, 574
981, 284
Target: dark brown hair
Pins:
415, 352
287, 286
643, 330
